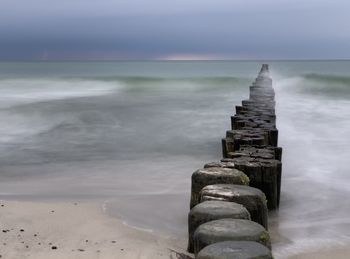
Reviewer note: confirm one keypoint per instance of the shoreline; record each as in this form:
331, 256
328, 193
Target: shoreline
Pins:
76, 230
84, 230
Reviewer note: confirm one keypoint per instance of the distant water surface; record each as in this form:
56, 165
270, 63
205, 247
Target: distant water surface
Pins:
129, 135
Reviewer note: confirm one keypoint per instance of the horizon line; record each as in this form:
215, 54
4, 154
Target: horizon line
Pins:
172, 60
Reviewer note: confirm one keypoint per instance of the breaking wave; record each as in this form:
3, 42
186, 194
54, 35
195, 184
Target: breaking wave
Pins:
328, 86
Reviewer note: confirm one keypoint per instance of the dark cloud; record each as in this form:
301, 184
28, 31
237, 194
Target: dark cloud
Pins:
154, 29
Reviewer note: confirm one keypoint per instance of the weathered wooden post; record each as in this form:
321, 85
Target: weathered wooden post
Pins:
251, 198
229, 230
221, 202
235, 249
213, 175
212, 210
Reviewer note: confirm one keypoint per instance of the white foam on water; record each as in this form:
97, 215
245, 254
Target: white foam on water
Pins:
23, 91
313, 131
18, 92
309, 245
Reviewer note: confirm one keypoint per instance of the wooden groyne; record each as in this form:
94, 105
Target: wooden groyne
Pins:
230, 198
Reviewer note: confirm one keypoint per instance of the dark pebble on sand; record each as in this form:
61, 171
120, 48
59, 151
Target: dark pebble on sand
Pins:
81, 250
53, 247
114, 241
22, 230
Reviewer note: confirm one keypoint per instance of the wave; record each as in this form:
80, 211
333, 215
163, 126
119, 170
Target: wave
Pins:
28, 90
162, 79
45, 108
322, 85
328, 78
23, 91
190, 84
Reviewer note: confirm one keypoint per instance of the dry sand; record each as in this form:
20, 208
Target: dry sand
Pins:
45, 230
75, 230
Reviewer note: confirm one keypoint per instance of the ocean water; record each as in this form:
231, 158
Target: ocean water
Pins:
130, 134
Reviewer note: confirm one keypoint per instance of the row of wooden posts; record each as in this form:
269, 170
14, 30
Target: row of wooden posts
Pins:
230, 198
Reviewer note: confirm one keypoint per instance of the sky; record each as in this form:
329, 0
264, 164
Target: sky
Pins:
174, 30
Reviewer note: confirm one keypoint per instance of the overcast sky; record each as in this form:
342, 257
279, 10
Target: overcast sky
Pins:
177, 29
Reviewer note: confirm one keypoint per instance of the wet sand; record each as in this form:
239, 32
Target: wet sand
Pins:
83, 230
75, 230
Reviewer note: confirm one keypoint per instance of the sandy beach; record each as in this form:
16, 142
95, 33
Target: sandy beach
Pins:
75, 230
83, 230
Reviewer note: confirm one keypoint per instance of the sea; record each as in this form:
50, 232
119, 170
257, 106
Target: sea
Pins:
129, 134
